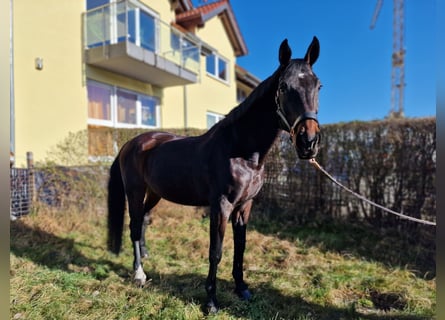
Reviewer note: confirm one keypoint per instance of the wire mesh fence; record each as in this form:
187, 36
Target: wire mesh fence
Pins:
21, 192
59, 187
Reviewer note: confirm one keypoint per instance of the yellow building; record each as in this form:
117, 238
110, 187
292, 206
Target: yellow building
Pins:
79, 65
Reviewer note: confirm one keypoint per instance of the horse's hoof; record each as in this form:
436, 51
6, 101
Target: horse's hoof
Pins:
144, 254
244, 294
139, 277
139, 282
211, 308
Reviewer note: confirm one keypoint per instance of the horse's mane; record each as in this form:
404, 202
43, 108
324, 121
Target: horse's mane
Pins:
256, 95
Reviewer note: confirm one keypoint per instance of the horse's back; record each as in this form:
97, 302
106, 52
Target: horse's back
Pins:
133, 154
149, 140
167, 164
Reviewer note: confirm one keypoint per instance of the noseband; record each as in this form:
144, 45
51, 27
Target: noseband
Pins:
304, 116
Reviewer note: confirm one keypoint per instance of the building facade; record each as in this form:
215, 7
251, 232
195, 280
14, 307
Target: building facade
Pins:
82, 65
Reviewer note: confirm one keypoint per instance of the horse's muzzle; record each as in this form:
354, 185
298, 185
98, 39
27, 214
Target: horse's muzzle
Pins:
306, 145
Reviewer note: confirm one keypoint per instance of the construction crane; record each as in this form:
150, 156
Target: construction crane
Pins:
398, 56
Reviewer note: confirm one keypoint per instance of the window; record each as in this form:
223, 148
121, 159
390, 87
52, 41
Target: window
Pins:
99, 101
148, 111
222, 69
241, 95
210, 64
217, 67
126, 107
213, 118
116, 107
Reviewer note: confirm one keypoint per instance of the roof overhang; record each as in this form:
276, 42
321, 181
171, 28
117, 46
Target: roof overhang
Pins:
245, 77
197, 17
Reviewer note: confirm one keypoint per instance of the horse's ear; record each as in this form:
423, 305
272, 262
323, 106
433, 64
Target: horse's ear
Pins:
285, 53
312, 52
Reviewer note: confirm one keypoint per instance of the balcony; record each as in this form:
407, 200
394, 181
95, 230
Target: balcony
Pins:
127, 39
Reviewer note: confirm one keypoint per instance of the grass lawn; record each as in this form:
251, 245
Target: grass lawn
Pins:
60, 269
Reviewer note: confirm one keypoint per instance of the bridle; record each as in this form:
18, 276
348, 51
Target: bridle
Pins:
304, 116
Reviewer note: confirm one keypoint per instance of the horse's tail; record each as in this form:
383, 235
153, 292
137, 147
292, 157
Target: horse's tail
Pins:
116, 207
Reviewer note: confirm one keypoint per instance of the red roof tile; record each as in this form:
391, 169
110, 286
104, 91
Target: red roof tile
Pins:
199, 11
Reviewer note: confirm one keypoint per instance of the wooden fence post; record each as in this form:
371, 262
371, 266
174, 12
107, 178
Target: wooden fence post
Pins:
31, 180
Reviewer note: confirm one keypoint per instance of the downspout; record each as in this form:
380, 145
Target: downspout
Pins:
185, 107
11, 83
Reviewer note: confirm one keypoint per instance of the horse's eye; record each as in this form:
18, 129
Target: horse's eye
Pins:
282, 88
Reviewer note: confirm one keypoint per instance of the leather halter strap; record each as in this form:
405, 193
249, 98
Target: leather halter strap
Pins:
304, 116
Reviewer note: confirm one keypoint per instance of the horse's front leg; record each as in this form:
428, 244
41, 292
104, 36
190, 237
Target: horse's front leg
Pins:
239, 225
218, 221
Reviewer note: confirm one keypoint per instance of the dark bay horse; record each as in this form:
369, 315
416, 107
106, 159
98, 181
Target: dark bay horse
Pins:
222, 169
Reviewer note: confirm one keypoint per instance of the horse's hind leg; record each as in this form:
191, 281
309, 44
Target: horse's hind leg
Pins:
136, 209
219, 213
142, 243
151, 200
239, 224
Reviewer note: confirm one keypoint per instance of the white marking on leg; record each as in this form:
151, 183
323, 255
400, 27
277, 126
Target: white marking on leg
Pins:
139, 276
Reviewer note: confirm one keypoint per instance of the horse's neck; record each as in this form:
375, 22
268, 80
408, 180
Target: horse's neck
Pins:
263, 129
253, 125
258, 128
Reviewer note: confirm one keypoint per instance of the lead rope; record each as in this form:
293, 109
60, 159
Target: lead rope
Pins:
319, 167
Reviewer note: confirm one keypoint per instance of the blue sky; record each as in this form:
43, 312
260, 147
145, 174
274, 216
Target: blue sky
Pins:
355, 62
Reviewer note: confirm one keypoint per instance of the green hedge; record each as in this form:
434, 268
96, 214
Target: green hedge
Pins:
103, 142
391, 162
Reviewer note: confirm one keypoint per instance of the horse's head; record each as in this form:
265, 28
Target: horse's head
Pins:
297, 99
